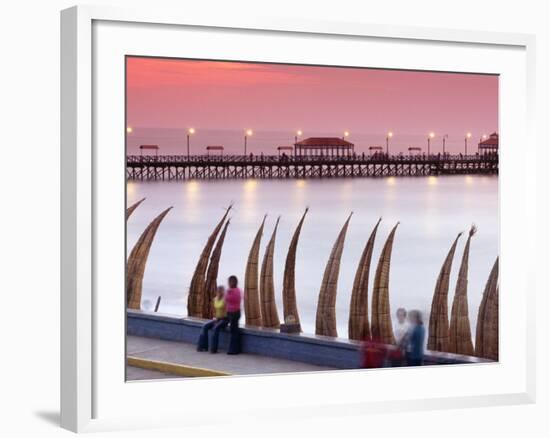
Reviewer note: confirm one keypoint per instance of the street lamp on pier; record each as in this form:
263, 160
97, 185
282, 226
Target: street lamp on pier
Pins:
298, 134
468, 135
190, 132
247, 134
430, 136
445, 137
388, 136
346, 134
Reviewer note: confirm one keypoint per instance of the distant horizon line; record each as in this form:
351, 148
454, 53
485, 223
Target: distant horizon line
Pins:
304, 135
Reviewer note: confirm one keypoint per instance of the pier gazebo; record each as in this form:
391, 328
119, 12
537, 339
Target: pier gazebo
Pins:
489, 146
149, 147
323, 146
214, 150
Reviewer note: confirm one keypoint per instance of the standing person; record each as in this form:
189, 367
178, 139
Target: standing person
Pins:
402, 327
396, 357
219, 321
415, 339
233, 302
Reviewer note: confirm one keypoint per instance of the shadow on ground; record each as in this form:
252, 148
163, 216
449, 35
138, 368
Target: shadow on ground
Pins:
51, 417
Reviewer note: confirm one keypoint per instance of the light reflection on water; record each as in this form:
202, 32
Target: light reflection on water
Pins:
432, 210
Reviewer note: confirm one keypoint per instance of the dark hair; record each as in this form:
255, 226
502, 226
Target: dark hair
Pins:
417, 316
233, 281
401, 310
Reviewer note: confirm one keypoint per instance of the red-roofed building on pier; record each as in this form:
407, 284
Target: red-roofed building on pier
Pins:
323, 146
489, 145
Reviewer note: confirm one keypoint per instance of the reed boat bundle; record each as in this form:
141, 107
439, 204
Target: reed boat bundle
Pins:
197, 290
325, 322
253, 315
460, 337
132, 207
438, 331
358, 324
487, 319
290, 308
135, 267
381, 323
270, 316
212, 275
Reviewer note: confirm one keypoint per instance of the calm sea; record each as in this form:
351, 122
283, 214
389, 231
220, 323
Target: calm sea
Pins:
432, 210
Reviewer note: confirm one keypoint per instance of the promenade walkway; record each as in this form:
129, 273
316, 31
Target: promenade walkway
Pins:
149, 356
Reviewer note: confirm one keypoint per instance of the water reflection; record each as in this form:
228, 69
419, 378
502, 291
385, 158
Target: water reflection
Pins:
432, 180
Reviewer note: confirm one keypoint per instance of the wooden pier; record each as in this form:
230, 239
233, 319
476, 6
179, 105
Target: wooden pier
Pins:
182, 167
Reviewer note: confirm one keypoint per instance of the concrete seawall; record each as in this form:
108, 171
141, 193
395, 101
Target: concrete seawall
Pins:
317, 350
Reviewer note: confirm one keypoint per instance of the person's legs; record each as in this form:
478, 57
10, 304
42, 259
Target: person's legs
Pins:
216, 335
414, 362
235, 339
202, 345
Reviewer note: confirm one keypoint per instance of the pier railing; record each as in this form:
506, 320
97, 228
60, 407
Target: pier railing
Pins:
168, 167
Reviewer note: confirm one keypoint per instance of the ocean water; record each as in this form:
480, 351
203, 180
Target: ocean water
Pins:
431, 211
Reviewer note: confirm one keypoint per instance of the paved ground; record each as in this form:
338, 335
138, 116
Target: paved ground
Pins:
186, 354
133, 373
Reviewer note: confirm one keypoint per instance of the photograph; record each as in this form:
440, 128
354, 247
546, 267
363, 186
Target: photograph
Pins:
292, 218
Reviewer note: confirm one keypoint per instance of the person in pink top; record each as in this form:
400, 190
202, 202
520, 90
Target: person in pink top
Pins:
233, 304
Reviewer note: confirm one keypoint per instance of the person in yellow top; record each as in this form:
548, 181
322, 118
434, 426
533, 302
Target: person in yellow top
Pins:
218, 323
220, 310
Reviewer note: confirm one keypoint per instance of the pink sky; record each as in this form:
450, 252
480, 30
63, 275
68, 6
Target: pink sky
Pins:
169, 93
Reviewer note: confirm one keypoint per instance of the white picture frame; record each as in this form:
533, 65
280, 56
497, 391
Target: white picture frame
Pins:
92, 396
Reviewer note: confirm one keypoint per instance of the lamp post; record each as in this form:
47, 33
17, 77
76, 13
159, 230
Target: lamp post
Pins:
298, 133
247, 133
388, 136
468, 135
190, 132
346, 134
430, 136
129, 130
444, 138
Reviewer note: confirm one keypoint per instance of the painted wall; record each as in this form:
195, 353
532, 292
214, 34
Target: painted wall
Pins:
316, 350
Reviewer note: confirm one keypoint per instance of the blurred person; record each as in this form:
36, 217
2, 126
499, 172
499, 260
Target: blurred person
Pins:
402, 327
233, 302
218, 323
374, 354
414, 340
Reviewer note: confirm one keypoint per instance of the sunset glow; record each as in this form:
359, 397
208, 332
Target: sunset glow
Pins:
218, 95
